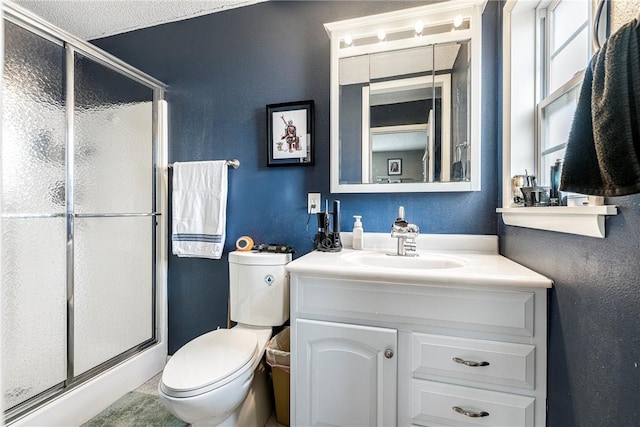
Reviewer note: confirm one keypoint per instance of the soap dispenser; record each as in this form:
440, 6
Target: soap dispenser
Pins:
358, 233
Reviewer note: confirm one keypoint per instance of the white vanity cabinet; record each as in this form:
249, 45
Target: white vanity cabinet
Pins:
350, 374
440, 352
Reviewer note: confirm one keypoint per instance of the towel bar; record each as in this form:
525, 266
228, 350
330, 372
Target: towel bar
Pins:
234, 163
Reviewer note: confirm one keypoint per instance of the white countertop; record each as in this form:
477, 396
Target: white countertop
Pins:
482, 265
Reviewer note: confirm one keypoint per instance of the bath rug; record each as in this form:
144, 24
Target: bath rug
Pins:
135, 409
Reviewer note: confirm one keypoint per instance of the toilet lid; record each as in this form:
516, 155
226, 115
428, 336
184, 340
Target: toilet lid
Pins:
209, 358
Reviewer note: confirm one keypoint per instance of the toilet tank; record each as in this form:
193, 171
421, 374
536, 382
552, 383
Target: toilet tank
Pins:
259, 288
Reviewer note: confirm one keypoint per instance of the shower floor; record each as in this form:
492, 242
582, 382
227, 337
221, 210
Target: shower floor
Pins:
141, 407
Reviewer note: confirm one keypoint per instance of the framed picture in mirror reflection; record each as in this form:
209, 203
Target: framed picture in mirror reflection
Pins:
290, 134
394, 166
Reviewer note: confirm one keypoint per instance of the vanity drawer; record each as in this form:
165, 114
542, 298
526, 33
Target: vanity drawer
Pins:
496, 311
487, 362
439, 404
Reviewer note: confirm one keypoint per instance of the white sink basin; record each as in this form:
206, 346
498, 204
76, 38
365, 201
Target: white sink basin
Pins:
384, 260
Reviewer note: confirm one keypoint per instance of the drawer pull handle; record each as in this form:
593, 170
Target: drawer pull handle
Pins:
388, 353
470, 414
470, 362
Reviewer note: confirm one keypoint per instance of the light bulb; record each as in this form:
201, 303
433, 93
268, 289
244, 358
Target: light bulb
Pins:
419, 26
347, 39
457, 21
381, 35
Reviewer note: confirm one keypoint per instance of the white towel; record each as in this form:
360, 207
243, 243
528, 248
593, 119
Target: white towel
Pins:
199, 209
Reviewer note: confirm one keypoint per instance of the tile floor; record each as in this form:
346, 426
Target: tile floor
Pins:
151, 388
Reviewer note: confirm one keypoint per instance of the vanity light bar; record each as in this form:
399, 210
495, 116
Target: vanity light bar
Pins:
418, 30
436, 18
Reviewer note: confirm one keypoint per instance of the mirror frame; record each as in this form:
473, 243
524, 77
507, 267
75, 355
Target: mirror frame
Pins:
401, 22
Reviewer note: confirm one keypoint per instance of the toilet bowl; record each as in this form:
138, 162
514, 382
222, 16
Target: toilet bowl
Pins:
217, 378
209, 378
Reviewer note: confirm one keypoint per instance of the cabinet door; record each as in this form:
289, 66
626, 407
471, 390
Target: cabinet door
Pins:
346, 375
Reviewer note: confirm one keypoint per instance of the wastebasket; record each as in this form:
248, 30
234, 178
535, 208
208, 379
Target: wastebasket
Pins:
278, 354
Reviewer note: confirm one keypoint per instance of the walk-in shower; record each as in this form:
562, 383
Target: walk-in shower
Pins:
82, 233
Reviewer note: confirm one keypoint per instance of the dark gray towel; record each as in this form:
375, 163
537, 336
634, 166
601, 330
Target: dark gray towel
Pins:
603, 150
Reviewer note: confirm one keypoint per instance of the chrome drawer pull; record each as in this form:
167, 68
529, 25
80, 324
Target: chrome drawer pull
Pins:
388, 353
470, 362
470, 414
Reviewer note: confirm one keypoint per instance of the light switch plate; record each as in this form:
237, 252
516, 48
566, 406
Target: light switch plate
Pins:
313, 203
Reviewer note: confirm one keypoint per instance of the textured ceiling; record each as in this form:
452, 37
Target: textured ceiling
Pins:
91, 19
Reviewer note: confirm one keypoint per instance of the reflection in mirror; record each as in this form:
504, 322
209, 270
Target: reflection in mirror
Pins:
386, 102
407, 143
413, 104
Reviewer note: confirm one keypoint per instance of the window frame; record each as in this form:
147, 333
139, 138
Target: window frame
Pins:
522, 122
546, 16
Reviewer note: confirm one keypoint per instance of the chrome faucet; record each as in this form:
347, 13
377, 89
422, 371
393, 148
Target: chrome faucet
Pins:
406, 234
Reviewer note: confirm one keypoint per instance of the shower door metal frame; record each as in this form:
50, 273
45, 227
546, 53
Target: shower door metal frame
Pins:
73, 45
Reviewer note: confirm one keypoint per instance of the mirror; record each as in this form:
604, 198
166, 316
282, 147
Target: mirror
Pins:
405, 106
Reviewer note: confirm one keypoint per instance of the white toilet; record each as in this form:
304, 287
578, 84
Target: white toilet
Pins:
217, 379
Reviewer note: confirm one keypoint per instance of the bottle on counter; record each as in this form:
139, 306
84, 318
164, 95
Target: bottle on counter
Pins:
358, 233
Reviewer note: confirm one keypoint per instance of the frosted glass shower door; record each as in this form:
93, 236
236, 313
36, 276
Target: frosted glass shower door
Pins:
33, 289
78, 213
114, 222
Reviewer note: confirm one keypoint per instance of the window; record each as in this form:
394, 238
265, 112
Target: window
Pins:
564, 53
547, 46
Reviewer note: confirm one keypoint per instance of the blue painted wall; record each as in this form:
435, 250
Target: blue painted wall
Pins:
222, 70
594, 317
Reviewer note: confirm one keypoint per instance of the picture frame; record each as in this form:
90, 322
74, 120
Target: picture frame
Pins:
290, 134
394, 166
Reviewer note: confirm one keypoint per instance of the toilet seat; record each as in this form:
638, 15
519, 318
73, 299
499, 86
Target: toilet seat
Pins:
209, 361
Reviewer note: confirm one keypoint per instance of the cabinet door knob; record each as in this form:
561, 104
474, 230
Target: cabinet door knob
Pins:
388, 353
470, 414
470, 362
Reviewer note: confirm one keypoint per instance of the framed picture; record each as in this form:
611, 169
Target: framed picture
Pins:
394, 166
290, 134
